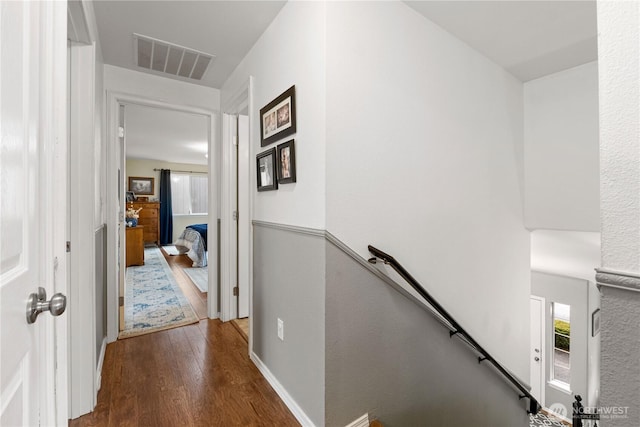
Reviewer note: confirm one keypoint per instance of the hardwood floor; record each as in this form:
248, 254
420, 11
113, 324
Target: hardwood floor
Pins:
196, 375
197, 298
242, 325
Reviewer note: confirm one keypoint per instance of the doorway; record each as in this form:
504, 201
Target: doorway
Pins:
119, 186
165, 173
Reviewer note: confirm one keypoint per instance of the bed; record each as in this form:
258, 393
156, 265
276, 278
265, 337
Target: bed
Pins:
193, 242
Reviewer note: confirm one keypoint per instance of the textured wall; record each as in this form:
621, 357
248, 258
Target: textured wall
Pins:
387, 356
619, 69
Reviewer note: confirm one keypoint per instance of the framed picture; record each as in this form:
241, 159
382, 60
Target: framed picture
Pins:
286, 162
278, 118
131, 196
266, 167
595, 322
140, 185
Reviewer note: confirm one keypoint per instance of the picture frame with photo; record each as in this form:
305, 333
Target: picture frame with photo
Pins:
266, 170
286, 162
278, 118
141, 185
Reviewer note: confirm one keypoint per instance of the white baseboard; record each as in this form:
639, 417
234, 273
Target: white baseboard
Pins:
282, 392
103, 349
363, 421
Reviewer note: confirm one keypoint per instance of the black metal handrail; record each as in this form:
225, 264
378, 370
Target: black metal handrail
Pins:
534, 406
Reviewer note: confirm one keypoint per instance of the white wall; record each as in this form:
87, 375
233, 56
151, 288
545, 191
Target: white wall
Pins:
145, 168
291, 51
159, 88
424, 143
561, 145
567, 253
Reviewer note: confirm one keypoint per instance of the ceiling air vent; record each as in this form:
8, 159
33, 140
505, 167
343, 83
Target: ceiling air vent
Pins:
165, 57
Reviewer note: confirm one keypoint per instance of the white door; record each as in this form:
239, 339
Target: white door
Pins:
244, 223
29, 59
536, 348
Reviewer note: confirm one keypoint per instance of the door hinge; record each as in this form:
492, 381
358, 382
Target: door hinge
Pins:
235, 215
121, 132
121, 301
68, 246
235, 291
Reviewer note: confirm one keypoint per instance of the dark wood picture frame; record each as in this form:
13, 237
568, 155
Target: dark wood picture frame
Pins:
595, 322
278, 118
141, 185
287, 162
266, 168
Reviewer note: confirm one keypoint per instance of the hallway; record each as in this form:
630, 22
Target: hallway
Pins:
197, 375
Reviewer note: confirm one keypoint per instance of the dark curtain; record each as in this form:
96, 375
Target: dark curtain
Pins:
166, 213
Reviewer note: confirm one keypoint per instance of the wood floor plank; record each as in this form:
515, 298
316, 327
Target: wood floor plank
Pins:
197, 298
196, 375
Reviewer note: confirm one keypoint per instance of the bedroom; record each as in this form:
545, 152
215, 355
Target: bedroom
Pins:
166, 181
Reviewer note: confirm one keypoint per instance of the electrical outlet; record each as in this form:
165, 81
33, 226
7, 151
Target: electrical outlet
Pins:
281, 329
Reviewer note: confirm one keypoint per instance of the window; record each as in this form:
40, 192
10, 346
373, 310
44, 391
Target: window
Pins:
561, 344
189, 194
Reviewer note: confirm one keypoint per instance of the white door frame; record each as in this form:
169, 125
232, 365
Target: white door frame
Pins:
82, 344
543, 354
114, 100
228, 307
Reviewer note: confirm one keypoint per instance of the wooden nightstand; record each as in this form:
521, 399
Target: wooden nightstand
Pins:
135, 245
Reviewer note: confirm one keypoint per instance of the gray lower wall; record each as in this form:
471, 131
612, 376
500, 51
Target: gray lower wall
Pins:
387, 356
289, 283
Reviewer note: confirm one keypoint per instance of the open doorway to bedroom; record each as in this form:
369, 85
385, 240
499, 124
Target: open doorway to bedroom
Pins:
166, 187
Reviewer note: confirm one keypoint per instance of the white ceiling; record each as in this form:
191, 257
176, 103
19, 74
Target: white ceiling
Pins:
226, 29
166, 135
530, 39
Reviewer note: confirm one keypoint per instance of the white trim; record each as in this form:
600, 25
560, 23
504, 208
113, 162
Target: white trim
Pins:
543, 349
113, 101
560, 386
228, 241
103, 350
228, 244
363, 421
282, 392
81, 306
55, 96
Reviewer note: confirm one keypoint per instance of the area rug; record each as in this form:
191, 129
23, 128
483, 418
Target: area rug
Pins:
199, 276
171, 250
153, 299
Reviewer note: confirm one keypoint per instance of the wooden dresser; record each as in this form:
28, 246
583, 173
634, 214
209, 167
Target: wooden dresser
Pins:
149, 218
135, 246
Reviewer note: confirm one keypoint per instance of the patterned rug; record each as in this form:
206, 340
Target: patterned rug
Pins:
199, 276
153, 299
540, 420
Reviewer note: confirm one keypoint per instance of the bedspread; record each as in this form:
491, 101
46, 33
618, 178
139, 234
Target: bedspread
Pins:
192, 243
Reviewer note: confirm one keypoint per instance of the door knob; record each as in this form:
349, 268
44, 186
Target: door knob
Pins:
37, 303
537, 359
